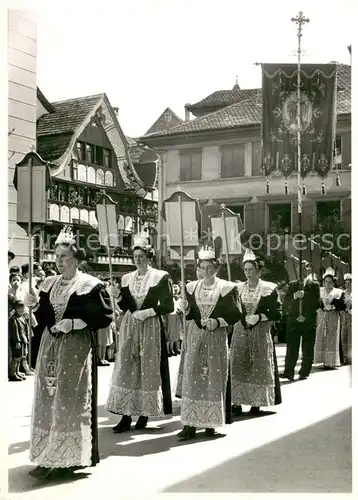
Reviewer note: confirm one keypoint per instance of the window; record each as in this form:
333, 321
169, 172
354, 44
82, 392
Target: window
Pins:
238, 209
108, 179
190, 165
89, 153
328, 213
74, 171
256, 159
107, 155
167, 117
233, 161
91, 175
54, 212
82, 173
100, 177
338, 152
280, 218
81, 151
65, 214
99, 155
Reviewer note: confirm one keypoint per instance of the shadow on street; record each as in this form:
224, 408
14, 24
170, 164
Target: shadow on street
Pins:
317, 459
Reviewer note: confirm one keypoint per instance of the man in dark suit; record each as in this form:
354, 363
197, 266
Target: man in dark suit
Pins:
310, 296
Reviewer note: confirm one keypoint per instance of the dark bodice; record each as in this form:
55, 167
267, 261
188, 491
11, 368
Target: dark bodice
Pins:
268, 304
93, 308
159, 297
225, 308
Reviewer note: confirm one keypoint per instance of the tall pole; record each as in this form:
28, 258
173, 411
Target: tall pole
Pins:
29, 231
226, 247
113, 302
300, 20
182, 260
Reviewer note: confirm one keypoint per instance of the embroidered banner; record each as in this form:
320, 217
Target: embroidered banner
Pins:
279, 120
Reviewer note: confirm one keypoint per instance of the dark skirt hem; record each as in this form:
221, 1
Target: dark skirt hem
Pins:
94, 424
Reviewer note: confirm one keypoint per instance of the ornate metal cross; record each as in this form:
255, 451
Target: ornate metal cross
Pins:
300, 20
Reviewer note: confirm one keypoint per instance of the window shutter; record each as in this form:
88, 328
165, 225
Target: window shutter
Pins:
346, 214
255, 217
256, 159
346, 149
184, 167
308, 216
239, 160
196, 166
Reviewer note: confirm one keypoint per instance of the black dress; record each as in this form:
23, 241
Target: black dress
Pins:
64, 420
141, 381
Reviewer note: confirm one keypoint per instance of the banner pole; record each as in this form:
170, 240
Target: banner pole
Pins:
300, 20
226, 247
182, 261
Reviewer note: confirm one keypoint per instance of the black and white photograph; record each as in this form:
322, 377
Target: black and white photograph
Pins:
179, 238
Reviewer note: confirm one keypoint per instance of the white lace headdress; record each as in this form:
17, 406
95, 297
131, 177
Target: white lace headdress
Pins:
141, 240
65, 237
249, 255
328, 272
206, 253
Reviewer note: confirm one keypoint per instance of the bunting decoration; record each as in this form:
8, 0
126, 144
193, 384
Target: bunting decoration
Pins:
280, 124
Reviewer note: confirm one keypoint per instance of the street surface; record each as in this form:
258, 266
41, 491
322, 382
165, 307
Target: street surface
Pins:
301, 446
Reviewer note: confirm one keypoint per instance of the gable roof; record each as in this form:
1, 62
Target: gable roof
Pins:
160, 124
226, 97
68, 115
248, 112
45, 103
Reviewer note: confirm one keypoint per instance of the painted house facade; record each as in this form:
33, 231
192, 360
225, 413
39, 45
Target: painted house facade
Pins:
216, 158
22, 112
89, 154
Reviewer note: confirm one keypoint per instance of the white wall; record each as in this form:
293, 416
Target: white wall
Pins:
22, 97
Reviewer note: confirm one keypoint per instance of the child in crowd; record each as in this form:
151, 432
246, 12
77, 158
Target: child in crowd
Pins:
18, 340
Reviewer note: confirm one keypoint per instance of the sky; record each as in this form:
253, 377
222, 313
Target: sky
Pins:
147, 55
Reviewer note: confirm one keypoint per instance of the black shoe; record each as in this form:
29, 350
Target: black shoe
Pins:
176, 347
236, 410
255, 410
210, 432
289, 377
187, 433
141, 423
303, 377
124, 425
38, 471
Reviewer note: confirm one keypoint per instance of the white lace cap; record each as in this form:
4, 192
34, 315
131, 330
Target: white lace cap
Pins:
65, 237
328, 272
249, 255
206, 253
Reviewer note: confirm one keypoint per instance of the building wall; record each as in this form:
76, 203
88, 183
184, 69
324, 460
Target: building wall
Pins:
22, 51
250, 191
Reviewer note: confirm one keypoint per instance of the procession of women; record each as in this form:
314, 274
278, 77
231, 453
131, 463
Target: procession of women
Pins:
224, 331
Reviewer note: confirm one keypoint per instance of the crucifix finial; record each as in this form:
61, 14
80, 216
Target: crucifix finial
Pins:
237, 80
32, 148
300, 19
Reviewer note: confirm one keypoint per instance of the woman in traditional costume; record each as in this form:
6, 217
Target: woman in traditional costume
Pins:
140, 384
328, 330
70, 308
210, 306
174, 326
179, 384
254, 374
347, 321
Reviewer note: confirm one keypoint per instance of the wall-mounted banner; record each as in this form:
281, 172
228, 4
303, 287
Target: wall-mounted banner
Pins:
280, 124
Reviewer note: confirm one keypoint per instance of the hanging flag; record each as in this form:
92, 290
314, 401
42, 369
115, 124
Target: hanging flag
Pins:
279, 120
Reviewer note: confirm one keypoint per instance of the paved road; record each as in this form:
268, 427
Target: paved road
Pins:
301, 446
